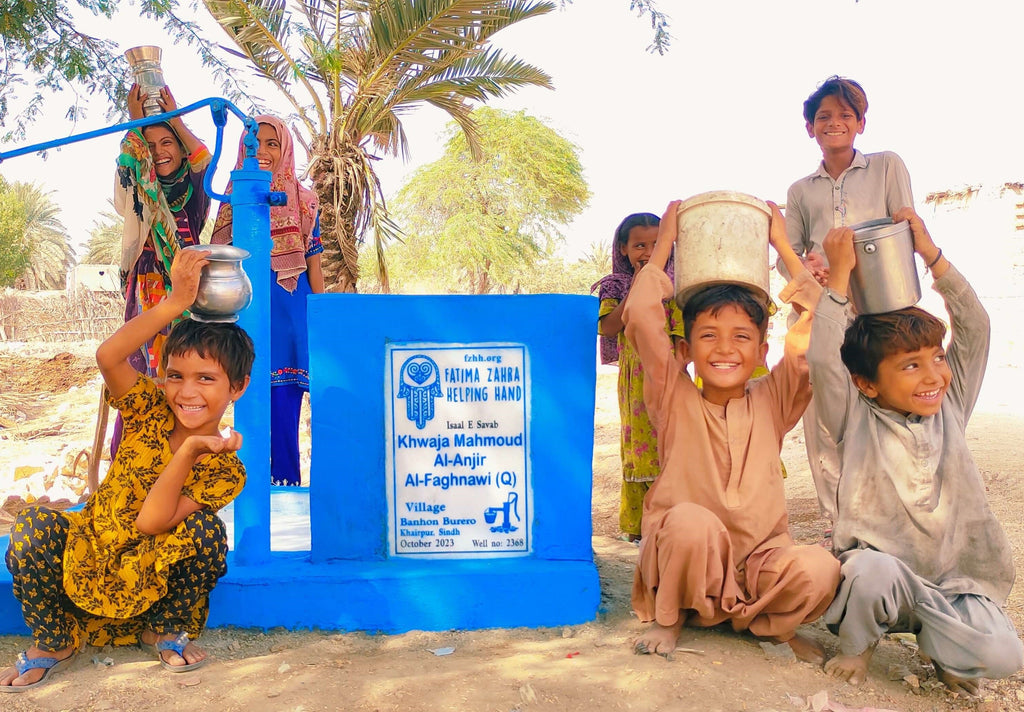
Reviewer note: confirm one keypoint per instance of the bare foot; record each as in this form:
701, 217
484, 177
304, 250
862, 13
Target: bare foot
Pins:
192, 652
10, 677
658, 639
810, 651
852, 668
957, 685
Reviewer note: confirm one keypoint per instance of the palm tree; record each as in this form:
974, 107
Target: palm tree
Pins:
352, 68
51, 255
104, 246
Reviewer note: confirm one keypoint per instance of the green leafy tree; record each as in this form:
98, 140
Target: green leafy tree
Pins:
104, 246
659, 23
352, 68
45, 51
50, 252
479, 225
14, 250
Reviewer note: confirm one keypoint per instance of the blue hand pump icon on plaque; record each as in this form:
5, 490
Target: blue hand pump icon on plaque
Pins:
419, 382
491, 514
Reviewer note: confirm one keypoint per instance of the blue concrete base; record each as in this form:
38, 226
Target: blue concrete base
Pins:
387, 596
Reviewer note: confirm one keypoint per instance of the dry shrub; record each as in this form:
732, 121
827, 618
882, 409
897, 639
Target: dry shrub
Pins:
58, 316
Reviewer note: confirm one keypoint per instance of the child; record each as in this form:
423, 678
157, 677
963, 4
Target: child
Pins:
716, 544
920, 549
295, 261
140, 559
849, 187
631, 249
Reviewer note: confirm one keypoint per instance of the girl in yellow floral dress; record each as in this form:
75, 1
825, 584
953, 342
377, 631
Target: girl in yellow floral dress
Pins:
631, 249
138, 562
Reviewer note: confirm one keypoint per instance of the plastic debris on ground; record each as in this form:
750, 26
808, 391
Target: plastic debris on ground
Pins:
819, 702
441, 651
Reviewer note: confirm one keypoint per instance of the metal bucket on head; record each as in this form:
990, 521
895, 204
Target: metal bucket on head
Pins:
145, 64
723, 239
885, 277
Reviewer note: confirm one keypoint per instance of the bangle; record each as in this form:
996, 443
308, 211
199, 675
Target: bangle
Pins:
935, 261
835, 297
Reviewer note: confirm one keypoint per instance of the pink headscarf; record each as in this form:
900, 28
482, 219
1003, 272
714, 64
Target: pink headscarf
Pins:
291, 224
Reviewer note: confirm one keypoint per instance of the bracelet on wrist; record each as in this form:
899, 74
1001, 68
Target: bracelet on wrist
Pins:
837, 298
935, 261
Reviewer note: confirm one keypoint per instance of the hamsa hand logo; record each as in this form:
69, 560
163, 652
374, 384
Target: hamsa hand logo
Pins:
419, 382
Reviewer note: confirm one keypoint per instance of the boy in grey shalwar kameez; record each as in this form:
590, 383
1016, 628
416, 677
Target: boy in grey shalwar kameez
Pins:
920, 549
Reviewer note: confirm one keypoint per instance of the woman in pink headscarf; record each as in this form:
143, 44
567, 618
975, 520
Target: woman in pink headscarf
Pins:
295, 269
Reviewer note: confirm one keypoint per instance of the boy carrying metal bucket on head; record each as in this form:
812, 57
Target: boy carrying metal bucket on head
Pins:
921, 551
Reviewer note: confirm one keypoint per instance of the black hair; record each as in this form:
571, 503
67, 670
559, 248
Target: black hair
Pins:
872, 337
848, 91
227, 344
632, 221
713, 299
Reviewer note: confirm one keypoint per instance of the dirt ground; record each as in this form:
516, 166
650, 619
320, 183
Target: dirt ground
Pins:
48, 397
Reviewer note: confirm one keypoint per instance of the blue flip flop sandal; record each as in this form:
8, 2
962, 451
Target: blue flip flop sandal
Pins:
177, 645
25, 663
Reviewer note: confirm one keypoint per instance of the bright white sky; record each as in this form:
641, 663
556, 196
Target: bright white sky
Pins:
722, 110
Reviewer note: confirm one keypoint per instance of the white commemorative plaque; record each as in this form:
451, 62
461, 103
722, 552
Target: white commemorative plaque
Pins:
457, 450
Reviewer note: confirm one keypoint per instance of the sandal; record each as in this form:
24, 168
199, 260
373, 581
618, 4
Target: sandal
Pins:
177, 646
49, 665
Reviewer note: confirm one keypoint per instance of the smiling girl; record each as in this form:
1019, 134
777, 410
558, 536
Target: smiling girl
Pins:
631, 249
295, 265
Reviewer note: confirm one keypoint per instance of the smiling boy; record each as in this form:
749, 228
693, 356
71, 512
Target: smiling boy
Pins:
920, 549
849, 187
716, 545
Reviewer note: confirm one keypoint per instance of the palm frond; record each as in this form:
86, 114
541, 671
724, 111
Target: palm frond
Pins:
262, 30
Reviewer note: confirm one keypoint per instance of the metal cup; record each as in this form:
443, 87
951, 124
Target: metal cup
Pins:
145, 64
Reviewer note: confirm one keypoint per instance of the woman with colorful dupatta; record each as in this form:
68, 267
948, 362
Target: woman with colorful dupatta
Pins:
159, 193
295, 268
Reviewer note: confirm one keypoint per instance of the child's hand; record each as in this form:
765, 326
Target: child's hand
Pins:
838, 244
211, 444
185, 272
668, 230
815, 264
923, 244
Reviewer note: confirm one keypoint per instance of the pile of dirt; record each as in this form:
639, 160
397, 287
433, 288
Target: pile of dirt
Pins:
53, 375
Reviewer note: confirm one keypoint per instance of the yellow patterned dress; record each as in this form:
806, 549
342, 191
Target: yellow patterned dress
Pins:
639, 441
114, 573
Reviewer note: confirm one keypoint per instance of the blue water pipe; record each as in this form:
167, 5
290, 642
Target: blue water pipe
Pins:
250, 199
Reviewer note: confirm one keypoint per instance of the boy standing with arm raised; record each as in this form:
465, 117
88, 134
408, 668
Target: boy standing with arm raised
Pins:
716, 545
920, 549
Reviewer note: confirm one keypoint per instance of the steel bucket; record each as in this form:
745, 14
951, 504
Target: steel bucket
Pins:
885, 277
145, 65
723, 239
224, 287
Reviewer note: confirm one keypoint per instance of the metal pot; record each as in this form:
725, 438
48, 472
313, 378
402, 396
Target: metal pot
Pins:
224, 287
885, 276
723, 239
145, 64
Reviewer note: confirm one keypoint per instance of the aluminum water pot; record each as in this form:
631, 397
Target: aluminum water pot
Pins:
723, 239
224, 287
885, 277
145, 64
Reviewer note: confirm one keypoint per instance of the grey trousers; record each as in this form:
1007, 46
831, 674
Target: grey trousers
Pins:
968, 635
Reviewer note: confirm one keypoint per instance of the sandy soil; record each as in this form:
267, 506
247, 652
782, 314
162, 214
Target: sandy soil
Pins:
585, 667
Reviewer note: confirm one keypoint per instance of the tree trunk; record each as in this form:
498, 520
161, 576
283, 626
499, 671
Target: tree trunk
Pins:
337, 226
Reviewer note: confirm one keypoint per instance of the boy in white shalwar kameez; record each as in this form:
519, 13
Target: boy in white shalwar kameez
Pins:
920, 549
